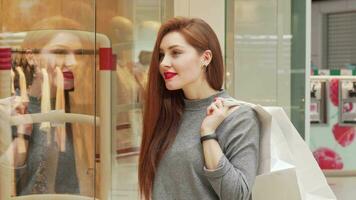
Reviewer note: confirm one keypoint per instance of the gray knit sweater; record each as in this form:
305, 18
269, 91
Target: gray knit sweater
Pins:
181, 174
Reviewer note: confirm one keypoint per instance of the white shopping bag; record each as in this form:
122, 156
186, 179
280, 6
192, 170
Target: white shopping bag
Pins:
5, 127
288, 170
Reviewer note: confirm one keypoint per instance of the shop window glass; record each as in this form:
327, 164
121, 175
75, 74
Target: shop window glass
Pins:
49, 69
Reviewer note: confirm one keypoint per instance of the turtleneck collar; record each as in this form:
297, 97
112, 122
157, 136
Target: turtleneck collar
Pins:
198, 104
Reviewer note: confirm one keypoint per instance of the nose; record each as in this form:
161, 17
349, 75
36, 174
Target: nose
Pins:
166, 62
70, 60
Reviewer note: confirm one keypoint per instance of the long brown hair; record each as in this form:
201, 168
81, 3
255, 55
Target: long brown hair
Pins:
163, 108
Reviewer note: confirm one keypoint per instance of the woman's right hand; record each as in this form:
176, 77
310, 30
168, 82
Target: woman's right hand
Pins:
20, 108
216, 113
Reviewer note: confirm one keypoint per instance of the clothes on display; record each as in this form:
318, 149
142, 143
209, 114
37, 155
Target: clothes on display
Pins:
50, 165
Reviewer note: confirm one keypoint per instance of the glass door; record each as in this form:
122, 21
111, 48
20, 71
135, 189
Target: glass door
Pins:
131, 27
266, 40
47, 93
72, 79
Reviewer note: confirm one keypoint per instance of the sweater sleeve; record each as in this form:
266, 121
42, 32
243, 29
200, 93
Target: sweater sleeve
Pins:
239, 139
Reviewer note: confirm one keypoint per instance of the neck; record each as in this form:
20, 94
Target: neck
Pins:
201, 92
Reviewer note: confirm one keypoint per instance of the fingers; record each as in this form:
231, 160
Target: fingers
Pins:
216, 106
211, 109
18, 107
219, 103
227, 103
28, 128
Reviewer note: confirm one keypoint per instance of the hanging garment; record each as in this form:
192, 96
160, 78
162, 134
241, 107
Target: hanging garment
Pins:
12, 82
60, 106
22, 81
45, 99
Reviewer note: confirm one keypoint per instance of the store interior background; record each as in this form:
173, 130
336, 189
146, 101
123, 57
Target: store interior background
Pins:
268, 46
333, 53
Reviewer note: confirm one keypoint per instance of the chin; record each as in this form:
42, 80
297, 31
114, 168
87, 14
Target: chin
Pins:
172, 87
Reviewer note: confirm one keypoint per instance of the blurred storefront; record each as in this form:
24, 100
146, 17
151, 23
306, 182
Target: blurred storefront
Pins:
332, 86
333, 83
99, 51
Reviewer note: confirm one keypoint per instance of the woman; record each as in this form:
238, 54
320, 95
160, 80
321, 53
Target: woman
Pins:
50, 162
194, 147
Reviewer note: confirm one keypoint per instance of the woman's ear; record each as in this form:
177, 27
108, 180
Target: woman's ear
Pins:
206, 57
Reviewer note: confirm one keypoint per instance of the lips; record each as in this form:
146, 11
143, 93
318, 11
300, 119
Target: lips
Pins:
169, 75
68, 75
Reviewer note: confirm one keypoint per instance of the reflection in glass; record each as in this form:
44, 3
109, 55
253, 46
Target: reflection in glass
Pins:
50, 77
53, 42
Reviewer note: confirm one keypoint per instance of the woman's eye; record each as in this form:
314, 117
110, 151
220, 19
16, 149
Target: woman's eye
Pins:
175, 53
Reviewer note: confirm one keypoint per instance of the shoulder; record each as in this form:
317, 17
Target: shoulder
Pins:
242, 122
243, 118
241, 113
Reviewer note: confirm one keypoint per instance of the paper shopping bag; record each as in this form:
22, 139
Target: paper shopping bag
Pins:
287, 168
5, 128
294, 173
308, 171
6, 166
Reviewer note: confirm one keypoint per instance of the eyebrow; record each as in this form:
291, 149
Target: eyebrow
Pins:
171, 47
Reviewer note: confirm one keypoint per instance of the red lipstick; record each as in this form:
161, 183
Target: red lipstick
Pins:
68, 75
169, 75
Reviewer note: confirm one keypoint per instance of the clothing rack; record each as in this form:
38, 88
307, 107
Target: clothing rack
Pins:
56, 51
